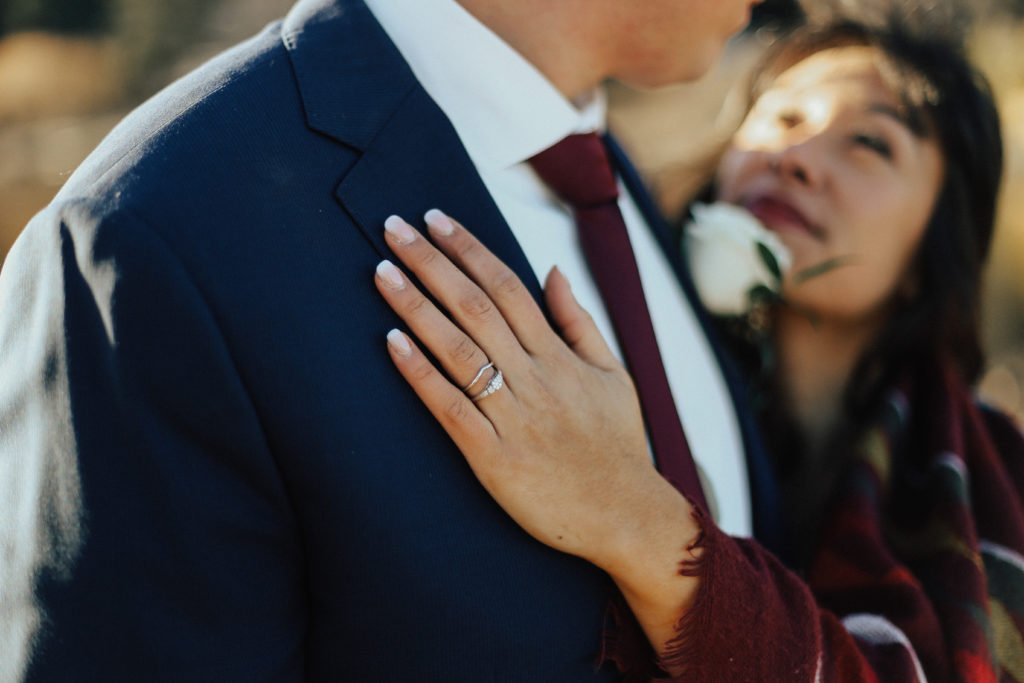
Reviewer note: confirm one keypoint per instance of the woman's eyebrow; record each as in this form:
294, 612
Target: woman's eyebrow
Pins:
901, 117
890, 111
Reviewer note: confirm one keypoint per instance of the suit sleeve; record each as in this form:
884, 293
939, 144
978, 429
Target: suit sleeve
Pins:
149, 535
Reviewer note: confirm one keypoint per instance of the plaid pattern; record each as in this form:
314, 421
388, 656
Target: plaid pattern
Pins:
928, 533
918, 574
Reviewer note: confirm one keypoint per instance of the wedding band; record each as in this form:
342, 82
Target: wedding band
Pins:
476, 379
493, 384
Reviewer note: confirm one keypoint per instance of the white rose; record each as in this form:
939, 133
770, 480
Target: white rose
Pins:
722, 244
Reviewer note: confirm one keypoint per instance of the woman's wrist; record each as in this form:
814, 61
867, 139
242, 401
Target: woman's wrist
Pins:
649, 543
647, 567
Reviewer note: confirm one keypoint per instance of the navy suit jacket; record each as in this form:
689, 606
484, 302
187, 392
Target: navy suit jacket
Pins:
236, 483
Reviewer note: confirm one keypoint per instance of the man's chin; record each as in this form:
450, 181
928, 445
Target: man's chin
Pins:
689, 71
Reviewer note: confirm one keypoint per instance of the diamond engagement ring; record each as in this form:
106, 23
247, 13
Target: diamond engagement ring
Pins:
479, 374
493, 384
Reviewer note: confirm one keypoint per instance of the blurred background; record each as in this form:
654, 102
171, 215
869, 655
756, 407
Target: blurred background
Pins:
70, 69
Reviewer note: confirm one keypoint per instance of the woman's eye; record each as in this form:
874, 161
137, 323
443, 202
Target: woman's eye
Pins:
874, 143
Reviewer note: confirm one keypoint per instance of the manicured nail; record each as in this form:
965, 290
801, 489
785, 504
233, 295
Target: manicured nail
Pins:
401, 231
439, 222
556, 272
391, 276
399, 342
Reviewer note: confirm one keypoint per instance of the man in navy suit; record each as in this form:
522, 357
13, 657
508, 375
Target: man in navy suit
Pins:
210, 469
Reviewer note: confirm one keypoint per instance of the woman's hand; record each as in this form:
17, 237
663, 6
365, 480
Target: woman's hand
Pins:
561, 446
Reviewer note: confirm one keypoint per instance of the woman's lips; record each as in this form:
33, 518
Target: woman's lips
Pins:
779, 216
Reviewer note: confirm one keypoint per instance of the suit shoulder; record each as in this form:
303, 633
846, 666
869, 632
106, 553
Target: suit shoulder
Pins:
205, 153
83, 230
230, 100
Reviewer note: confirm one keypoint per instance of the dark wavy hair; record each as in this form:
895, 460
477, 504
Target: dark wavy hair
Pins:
946, 99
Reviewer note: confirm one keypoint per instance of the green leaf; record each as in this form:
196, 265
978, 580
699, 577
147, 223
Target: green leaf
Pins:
762, 294
820, 269
770, 261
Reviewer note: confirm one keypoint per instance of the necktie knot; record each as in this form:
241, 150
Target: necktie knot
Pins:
578, 170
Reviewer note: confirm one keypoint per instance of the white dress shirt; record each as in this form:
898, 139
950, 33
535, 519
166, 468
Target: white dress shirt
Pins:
505, 111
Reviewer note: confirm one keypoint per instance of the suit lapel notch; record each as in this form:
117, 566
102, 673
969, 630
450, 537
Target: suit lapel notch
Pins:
340, 52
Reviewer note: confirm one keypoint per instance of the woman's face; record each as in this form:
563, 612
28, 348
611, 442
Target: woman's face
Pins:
825, 160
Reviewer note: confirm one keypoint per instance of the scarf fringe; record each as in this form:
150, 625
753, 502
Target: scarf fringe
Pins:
624, 643
682, 650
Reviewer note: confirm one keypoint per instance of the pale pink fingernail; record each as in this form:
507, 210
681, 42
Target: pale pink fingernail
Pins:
391, 276
399, 342
401, 231
439, 222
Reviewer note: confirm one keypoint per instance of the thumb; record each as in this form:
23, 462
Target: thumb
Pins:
576, 325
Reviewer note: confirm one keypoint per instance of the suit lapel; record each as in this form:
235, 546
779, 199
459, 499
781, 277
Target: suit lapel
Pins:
357, 89
417, 163
350, 75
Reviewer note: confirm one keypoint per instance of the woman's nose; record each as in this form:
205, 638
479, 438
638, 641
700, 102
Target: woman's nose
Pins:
799, 160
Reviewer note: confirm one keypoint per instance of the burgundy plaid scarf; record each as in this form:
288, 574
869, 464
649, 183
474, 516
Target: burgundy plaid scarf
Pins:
918, 575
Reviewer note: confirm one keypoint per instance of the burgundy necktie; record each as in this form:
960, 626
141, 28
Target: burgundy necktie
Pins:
579, 171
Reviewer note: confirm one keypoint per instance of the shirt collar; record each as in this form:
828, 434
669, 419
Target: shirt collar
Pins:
503, 108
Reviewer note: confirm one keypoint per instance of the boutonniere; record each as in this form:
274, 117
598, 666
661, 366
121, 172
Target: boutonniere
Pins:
738, 268
737, 264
